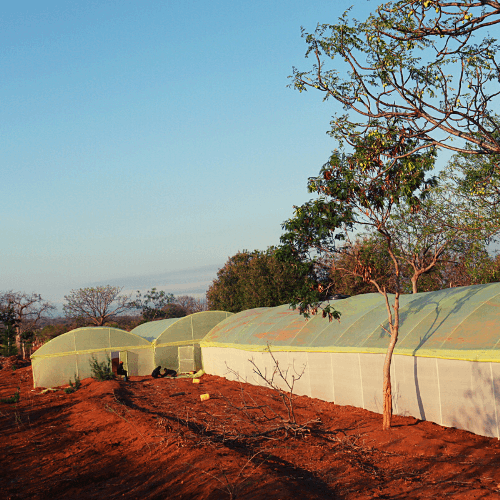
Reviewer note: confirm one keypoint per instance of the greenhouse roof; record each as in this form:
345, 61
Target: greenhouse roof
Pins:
90, 339
178, 330
458, 323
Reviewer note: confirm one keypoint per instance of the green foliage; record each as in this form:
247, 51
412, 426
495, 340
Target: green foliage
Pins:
258, 279
421, 63
74, 387
156, 304
369, 249
361, 189
51, 331
101, 371
12, 399
8, 323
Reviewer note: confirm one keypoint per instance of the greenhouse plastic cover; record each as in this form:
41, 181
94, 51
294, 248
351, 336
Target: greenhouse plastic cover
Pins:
180, 330
454, 323
175, 341
69, 355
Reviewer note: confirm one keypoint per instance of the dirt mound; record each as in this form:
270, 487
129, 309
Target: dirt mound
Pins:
156, 439
12, 362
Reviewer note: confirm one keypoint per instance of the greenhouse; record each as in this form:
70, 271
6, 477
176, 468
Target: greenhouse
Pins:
445, 368
176, 341
69, 355
171, 343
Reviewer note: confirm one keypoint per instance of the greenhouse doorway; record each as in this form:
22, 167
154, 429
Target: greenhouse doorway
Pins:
115, 361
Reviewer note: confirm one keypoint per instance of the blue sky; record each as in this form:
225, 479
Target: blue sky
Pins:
150, 137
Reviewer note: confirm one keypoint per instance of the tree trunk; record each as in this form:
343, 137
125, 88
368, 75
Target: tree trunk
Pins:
387, 388
18, 340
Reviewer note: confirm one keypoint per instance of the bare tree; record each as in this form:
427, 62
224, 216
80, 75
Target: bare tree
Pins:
96, 305
191, 304
29, 310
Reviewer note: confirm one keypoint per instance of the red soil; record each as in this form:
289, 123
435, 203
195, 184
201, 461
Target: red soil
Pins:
138, 440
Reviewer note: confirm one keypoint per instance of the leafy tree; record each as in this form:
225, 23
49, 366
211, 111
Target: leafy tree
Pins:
173, 311
258, 279
474, 181
421, 65
362, 190
369, 249
392, 76
29, 311
96, 305
155, 304
190, 304
412, 230
461, 262
8, 324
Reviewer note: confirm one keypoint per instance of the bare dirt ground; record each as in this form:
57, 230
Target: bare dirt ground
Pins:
155, 439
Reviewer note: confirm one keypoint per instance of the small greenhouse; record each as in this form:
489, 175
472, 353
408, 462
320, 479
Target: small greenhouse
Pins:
69, 355
176, 341
172, 343
445, 368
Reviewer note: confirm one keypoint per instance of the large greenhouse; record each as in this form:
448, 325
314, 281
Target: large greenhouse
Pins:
445, 368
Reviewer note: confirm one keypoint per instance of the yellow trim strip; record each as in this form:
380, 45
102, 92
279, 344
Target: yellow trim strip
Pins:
90, 351
180, 342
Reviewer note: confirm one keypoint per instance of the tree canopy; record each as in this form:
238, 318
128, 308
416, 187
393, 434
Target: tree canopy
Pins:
411, 78
29, 310
428, 67
258, 279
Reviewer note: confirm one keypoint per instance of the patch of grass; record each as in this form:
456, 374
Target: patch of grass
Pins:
101, 371
73, 387
13, 399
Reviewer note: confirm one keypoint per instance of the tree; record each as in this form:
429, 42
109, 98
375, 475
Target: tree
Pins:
368, 248
361, 190
190, 304
154, 305
8, 325
96, 305
420, 64
257, 279
392, 78
411, 229
173, 310
29, 311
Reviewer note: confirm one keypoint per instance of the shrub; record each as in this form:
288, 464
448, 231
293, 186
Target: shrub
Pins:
101, 371
13, 399
73, 387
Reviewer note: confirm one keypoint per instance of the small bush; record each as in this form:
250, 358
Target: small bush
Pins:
73, 387
13, 399
101, 371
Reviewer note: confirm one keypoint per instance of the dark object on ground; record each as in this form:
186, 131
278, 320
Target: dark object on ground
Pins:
121, 371
177, 394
